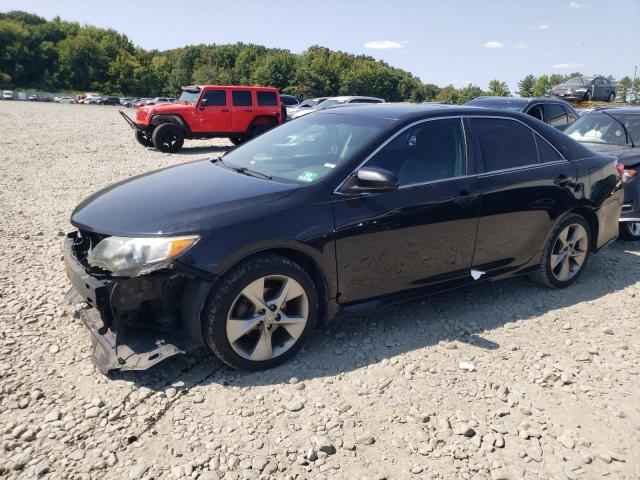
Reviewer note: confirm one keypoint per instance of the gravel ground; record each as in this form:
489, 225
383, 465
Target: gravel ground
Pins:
550, 389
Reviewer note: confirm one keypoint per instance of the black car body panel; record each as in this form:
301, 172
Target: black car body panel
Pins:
363, 250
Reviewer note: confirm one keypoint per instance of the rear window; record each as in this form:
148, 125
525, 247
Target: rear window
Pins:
241, 98
269, 99
504, 143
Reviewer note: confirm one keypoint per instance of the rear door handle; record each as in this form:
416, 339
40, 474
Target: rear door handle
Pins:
464, 199
562, 180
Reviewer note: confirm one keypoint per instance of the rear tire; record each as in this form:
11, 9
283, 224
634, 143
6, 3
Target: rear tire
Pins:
612, 97
142, 139
251, 307
566, 253
260, 129
168, 138
587, 96
630, 231
236, 140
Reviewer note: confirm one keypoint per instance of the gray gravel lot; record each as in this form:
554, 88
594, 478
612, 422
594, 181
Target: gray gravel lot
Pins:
554, 392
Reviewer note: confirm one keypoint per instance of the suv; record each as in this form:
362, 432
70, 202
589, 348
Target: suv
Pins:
208, 111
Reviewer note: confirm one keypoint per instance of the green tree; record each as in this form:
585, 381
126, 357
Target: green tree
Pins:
624, 85
469, 93
448, 94
498, 89
526, 86
542, 86
556, 79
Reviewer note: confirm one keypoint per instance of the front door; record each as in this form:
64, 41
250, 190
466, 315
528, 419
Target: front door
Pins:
215, 115
525, 184
419, 235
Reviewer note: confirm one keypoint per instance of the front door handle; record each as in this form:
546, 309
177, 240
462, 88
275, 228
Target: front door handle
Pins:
562, 181
464, 199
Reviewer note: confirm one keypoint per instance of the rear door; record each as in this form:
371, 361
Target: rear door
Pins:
215, 115
266, 104
524, 184
242, 107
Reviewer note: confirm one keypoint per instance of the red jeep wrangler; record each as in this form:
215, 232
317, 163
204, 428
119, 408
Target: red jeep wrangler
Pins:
208, 111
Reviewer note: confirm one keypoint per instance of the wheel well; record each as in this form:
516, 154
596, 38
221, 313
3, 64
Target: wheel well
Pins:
175, 119
265, 120
592, 219
310, 266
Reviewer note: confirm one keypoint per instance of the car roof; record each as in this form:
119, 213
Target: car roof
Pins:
401, 111
625, 109
253, 87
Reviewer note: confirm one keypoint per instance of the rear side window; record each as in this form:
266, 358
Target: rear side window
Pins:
556, 115
504, 143
241, 98
570, 115
546, 152
215, 98
269, 99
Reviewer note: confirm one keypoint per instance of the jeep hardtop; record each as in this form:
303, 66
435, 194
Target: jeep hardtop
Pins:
207, 111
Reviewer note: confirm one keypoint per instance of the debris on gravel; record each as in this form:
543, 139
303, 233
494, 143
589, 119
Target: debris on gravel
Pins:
553, 394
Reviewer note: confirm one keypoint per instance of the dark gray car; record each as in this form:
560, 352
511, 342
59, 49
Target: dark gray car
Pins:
585, 89
556, 113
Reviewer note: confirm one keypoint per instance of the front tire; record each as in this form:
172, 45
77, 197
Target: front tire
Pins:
143, 139
587, 96
630, 231
612, 97
566, 253
260, 313
168, 138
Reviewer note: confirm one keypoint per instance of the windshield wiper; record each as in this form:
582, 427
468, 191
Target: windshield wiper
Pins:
243, 170
626, 132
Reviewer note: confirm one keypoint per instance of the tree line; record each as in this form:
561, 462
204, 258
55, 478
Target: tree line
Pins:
59, 55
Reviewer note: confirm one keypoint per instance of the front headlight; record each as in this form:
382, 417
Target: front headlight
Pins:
131, 257
581, 89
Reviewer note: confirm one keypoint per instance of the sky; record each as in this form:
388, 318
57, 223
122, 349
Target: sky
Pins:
441, 41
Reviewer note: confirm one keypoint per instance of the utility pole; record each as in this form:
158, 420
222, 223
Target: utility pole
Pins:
633, 86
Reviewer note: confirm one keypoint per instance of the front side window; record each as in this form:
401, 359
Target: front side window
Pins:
215, 98
267, 99
504, 143
433, 150
307, 149
597, 128
555, 114
241, 98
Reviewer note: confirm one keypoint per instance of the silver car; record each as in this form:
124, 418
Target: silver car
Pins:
328, 102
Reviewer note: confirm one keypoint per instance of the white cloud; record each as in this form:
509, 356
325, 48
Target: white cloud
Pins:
460, 82
384, 44
567, 65
520, 46
493, 44
576, 5
544, 26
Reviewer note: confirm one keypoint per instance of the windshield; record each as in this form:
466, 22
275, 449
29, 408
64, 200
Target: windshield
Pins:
306, 149
597, 128
510, 105
189, 96
574, 81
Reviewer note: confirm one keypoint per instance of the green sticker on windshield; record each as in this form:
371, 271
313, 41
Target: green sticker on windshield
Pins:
307, 176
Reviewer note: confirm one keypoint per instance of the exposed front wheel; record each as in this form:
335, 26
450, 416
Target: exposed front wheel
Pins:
168, 138
612, 97
587, 96
630, 231
565, 254
143, 139
260, 313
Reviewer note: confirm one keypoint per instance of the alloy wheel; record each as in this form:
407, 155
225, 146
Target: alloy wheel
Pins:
169, 139
634, 228
569, 252
267, 318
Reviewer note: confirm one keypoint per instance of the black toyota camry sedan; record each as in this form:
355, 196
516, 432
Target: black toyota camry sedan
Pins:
331, 215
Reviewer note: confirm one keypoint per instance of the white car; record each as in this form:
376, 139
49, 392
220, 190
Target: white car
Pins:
7, 95
328, 102
65, 100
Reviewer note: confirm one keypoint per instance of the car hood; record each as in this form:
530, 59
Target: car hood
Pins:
626, 155
168, 107
177, 200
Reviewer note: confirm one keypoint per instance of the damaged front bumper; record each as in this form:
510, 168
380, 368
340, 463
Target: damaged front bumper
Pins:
135, 322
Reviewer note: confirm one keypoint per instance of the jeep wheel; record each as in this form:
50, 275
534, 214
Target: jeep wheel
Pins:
260, 129
168, 138
143, 139
236, 140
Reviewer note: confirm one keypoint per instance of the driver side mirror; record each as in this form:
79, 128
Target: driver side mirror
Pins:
203, 103
371, 180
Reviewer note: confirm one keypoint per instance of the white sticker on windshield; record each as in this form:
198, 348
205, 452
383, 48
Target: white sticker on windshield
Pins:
330, 165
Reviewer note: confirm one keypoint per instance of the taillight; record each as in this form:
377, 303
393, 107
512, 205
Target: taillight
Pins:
625, 174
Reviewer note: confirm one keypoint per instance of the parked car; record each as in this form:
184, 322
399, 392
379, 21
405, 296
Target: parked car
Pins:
108, 101
331, 215
334, 101
140, 102
207, 111
131, 103
7, 94
585, 89
556, 113
289, 100
67, 100
159, 100
125, 100
616, 131
304, 106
